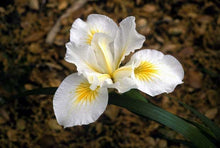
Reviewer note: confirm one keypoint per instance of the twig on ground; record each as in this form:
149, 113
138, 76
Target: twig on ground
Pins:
51, 35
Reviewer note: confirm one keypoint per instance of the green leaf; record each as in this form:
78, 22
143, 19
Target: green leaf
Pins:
202, 128
143, 108
40, 91
214, 128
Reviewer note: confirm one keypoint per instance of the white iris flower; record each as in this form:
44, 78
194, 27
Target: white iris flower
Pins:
97, 47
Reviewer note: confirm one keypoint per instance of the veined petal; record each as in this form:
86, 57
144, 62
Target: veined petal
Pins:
127, 40
79, 32
101, 24
122, 79
101, 46
83, 32
156, 73
75, 103
83, 57
91, 62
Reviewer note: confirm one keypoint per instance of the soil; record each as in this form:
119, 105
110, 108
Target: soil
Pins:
188, 30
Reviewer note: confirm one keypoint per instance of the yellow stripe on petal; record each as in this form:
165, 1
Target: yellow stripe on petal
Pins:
100, 44
84, 94
104, 49
145, 71
91, 34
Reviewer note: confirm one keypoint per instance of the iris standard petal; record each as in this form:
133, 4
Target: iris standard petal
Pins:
75, 103
90, 62
156, 73
79, 32
83, 57
101, 46
101, 24
127, 40
83, 32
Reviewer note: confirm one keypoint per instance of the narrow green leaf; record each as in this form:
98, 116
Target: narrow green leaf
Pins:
40, 91
214, 128
155, 113
202, 128
136, 94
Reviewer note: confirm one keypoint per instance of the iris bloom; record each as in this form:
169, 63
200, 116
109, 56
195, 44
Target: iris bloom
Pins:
97, 47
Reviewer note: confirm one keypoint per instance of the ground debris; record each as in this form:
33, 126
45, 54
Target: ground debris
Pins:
187, 30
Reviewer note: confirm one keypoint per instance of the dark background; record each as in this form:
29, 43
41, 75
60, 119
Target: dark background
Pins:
188, 30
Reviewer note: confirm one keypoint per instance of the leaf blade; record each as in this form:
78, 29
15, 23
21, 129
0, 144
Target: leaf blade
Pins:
155, 113
214, 128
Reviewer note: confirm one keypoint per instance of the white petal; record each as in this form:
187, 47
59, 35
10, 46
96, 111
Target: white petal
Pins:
98, 79
127, 40
89, 63
103, 24
123, 80
101, 46
75, 103
156, 73
83, 32
123, 85
79, 31
83, 57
